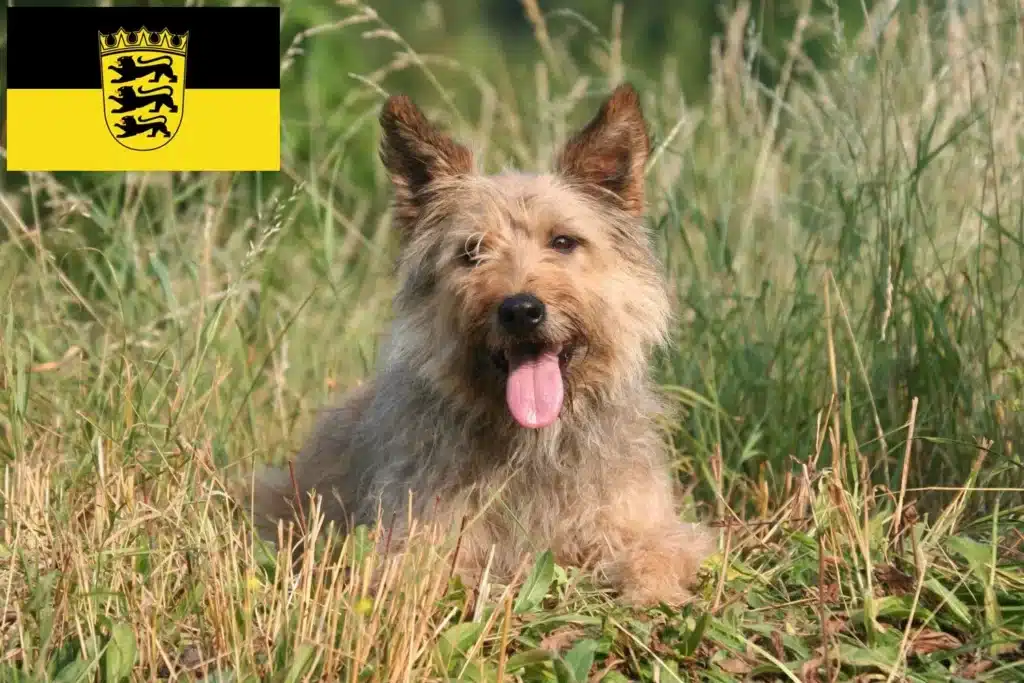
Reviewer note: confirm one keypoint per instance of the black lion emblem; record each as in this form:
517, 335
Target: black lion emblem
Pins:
130, 100
130, 69
153, 125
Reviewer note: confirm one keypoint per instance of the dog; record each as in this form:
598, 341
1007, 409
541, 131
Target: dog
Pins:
514, 391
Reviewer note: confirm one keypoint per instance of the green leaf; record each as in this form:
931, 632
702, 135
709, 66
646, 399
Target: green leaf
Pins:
555, 619
614, 676
14, 675
580, 658
979, 558
119, 656
955, 604
75, 672
303, 658
522, 660
895, 607
881, 657
362, 545
164, 277
28, 649
457, 641
537, 583
562, 672
978, 555
689, 644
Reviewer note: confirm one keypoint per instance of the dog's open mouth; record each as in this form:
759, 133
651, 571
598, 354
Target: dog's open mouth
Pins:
535, 382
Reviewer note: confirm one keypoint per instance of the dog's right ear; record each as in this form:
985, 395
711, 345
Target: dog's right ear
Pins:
415, 153
608, 155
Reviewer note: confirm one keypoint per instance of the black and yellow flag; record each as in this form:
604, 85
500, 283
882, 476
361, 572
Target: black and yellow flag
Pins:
143, 89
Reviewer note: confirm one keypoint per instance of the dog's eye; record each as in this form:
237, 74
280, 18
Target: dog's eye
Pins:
469, 258
564, 244
470, 253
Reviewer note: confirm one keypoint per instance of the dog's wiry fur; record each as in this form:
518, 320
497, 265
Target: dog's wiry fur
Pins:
594, 486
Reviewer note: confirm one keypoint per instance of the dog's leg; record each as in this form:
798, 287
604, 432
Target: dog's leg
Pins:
644, 550
660, 566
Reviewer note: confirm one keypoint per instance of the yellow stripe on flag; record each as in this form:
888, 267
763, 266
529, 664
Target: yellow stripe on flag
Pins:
221, 130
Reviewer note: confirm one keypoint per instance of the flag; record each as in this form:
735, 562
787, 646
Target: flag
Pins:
143, 89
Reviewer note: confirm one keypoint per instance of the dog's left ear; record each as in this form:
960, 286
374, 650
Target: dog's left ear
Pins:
608, 155
416, 153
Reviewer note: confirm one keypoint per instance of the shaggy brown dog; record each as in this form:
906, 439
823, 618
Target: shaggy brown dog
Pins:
515, 386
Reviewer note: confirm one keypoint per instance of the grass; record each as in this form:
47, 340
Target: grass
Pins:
846, 251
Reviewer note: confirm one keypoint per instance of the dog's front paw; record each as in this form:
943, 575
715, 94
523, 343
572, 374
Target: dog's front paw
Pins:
648, 579
661, 568
643, 593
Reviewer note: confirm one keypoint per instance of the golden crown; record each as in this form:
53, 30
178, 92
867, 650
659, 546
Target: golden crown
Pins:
143, 39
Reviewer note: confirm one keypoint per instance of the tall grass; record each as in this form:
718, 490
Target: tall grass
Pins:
846, 251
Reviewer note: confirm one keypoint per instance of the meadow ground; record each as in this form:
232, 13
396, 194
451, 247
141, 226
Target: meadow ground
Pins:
846, 250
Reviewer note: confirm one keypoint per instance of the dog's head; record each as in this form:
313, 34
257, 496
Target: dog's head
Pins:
521, 288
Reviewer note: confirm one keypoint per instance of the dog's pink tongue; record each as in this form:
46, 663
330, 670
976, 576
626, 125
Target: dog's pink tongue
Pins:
534, 391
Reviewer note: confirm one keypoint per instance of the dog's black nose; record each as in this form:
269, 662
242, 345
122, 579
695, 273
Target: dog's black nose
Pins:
521, 314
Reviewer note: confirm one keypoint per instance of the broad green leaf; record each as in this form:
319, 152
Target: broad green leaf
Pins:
894, 607
302, 659
979, 558
15, 675
691, 640
881, 657
75, 672
562, 672
537, 583
457, 641
362, 544
614, 676
522, 660
955, 604
978, 555
120, 653
580, 658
